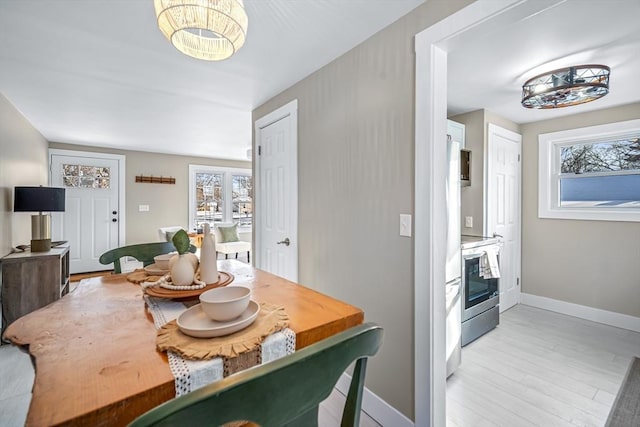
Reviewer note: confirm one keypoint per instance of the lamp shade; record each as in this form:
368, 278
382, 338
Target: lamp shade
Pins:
211, 30
38, 199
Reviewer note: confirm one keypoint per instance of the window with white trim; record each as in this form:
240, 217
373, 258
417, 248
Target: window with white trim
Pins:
590, 173
220, 195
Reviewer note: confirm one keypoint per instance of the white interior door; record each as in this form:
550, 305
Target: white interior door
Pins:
276, 211
91, 220
502, 216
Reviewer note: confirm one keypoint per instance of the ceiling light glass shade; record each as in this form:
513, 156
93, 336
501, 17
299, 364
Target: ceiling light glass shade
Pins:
566, 86
212, 30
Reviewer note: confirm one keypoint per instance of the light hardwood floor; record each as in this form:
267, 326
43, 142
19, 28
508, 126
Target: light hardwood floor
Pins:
540, 368
16, 374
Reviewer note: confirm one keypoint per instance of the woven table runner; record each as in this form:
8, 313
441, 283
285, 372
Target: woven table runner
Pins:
192, 374
270, 319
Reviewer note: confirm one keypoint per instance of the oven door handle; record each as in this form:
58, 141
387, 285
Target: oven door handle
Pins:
473, 253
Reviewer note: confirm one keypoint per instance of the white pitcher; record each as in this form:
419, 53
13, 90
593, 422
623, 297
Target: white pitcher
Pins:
208, 257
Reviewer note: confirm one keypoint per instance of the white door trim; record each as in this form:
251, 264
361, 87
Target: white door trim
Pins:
430, 236
431, 46
121, 159
290, 109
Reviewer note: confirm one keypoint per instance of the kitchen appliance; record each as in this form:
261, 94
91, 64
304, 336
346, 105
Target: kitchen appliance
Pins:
480, 288
453, 268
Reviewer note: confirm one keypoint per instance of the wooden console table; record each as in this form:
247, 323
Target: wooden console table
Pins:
31, 280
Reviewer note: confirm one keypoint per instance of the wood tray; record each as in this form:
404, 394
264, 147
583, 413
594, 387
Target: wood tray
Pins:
157, 291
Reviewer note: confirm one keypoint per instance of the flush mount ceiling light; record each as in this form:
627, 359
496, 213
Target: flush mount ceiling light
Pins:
212, 30
566, 86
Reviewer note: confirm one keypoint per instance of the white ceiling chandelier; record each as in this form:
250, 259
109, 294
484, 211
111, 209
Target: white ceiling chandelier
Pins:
212, 30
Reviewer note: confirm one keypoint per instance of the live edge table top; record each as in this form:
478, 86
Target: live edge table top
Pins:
95, 353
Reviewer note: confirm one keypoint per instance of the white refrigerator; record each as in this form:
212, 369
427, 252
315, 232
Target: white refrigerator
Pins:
453, 270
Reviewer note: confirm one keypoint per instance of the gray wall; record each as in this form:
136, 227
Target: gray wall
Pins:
355, 176
589, 263
592, 263
477, 134
23, 161
168, 203
471, 196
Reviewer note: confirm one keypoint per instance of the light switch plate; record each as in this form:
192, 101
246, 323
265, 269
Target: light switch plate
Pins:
468, 221
143, 208
405, 225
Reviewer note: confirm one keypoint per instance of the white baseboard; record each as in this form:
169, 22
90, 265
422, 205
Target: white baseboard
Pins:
610, 318
376, 408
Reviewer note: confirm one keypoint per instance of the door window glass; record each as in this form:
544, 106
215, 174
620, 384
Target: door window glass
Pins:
80, 176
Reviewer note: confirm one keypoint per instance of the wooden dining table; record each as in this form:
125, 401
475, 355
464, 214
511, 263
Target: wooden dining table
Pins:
95, 352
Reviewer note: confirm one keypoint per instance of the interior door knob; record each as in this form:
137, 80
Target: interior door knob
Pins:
285, 242
114, 220
114, 212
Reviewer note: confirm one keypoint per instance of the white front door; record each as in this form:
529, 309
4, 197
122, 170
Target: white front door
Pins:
503, 208
276, 211
91, 220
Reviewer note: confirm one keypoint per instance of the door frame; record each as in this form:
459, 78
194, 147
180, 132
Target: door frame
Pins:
431, 46
121, 159
289, 109
493, 129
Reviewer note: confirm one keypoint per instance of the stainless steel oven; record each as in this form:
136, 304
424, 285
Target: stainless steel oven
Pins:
480, 294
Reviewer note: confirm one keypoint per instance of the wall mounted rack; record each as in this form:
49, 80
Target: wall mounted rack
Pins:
155, 179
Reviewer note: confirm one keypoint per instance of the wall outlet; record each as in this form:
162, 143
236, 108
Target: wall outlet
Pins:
468, 221
405, 225
143, 208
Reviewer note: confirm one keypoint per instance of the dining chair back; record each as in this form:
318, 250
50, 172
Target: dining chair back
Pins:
285, 392
143, 252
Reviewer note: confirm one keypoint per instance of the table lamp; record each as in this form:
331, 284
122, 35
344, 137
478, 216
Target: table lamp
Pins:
39, 199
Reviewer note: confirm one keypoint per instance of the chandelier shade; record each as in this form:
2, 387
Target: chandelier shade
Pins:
211, 30
566, 86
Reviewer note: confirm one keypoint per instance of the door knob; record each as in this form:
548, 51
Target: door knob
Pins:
285, 242
114, 220
114, 212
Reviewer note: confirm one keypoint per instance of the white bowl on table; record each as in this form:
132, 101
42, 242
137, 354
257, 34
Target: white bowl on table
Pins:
162, 261
225, 303
195, 323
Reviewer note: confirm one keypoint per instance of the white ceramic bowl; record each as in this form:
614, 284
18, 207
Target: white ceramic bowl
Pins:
162, 261
226, 303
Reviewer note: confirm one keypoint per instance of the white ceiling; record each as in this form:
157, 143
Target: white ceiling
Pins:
488, 70
99, 72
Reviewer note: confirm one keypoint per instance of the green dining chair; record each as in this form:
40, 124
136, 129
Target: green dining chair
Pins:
285, 392
143, 252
